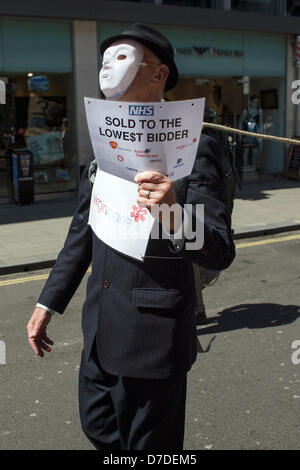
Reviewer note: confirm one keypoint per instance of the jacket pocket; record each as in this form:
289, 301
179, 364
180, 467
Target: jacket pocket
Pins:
152, 298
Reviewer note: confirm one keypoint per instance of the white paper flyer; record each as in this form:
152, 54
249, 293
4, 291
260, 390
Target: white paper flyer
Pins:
116, 218
129, 138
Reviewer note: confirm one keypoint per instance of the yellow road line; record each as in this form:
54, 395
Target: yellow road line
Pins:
267, 242
21, 280
42, 277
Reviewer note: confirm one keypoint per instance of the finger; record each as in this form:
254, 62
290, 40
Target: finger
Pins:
45, 346
147, 187
47, 340
156, 196
161, 187
153, 196
38, 345
145, 194
144, 202
35, 346
149, 176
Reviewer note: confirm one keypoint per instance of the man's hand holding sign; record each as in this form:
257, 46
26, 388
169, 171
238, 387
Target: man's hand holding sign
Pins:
156, 189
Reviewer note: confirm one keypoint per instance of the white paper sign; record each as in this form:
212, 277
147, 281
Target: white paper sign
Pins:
129, 138
116, 218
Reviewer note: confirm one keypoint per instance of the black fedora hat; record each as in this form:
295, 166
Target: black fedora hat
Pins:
155, 41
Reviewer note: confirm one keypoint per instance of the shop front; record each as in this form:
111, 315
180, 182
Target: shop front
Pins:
242, 76
36, 66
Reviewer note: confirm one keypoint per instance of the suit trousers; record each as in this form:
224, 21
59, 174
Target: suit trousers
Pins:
124, 413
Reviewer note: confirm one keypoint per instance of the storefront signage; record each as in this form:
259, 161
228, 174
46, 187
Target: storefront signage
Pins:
201, 51
210, 51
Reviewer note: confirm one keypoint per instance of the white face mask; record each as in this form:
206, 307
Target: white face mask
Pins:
121, 62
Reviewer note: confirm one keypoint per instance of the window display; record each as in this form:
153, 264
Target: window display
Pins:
251, 120
254, 109
39, 116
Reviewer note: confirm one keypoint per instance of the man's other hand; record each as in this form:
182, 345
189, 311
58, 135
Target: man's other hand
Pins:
36, 329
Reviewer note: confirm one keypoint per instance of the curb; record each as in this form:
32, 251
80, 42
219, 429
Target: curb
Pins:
267, 229
239, 234
26, 267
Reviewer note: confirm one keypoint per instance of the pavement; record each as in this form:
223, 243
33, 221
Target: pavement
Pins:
31, 236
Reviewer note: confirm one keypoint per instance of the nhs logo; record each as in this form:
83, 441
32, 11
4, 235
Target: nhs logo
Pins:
141, 110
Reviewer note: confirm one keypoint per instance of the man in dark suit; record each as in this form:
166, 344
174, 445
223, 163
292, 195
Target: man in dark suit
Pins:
138, 320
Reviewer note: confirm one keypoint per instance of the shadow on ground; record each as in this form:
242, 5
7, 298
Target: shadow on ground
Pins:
39, 210
251, 316
257, 191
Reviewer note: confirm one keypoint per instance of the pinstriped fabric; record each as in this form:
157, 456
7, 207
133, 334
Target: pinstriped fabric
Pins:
142, 314
142, 322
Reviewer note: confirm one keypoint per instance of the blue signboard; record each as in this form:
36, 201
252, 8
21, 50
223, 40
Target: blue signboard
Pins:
38, 83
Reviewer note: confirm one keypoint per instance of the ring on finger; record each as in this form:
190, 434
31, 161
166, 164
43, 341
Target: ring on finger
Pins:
147, 195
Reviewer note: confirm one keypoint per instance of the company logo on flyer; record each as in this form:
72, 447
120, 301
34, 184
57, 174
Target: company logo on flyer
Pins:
141, 110
139, 213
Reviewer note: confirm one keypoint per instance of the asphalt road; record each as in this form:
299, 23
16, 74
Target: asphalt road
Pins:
243, 391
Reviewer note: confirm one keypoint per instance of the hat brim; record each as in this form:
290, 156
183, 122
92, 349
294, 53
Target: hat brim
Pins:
173, 72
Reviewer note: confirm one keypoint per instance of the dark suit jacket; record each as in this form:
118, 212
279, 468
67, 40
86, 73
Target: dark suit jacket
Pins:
143, 313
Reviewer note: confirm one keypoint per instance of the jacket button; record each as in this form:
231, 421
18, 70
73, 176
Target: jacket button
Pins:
106, 284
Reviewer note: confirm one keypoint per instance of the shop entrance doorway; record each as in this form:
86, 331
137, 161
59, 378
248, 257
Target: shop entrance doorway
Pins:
247, 103
224, 97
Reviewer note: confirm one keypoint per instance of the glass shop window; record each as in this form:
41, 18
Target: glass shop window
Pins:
192, 3
255, 6
39, 115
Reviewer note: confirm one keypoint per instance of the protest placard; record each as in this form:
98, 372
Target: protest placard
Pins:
129, 138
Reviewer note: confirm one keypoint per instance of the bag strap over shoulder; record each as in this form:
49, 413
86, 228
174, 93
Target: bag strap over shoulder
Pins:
92, 171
